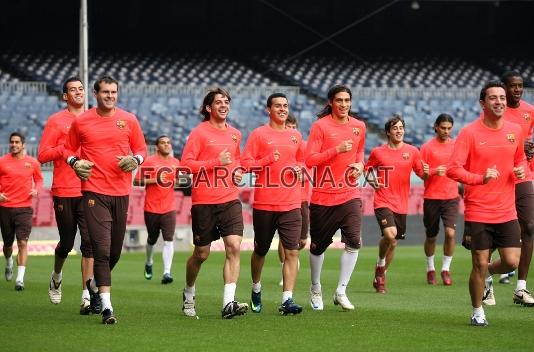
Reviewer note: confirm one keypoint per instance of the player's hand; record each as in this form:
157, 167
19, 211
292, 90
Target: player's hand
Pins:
302, 243
356, 170
127, 163
33, 193
345, 146
466, 242
519, 172
237, 177
529, 149
83, 169
298, 172
491, 173
441, 170
426, 169
225, 157
276, 155
3, 197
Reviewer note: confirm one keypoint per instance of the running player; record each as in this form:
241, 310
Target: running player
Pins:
158, 174
20, 181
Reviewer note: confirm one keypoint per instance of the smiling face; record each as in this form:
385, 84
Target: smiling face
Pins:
219, 108
16, 146
514, 91
494, 104
106, 97
278, 111
164, 146
340, 105
75, 94
396, 133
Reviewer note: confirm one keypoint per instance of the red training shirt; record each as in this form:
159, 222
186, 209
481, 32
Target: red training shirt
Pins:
436, 153
17, 178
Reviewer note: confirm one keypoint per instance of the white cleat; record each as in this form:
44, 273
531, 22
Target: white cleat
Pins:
479, 320
8, 273
188, 307
488, 298
343, 301
54, 292
316, 300
524, 298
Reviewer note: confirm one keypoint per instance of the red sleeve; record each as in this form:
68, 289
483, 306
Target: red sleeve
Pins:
37, 177
73, 141
416, 166
520, 158
49, 150
137, 140
456, 165
251, 155
426, 157
360, 157
190, 154
314, 157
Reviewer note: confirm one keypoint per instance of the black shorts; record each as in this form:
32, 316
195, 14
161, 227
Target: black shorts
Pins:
15, 222
69, 217
305, 213
156, 222
524, 205
388, 218
488, 236
326, 220
213, 221
288, 224
434, 209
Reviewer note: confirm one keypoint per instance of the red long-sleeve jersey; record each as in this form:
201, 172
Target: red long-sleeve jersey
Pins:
17, 178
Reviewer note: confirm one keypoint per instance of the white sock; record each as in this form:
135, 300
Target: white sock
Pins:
167, 254
286, 295
521, 285
316, 265
106, 301
381, 261
92, 285
479, 312
57, 277
348, 262
229, 293
20, 273
149, 254
446, 263
9, 262
256, 287
189, 293
85, 294
489, 278
430, 263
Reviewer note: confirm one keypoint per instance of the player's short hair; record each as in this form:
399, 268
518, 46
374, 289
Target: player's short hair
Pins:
488, 85
392, 121
338, 88
105, 79
208, 100
156, 142
71, 79
275, 95
292, 119
18, 134
443, 118
509, 74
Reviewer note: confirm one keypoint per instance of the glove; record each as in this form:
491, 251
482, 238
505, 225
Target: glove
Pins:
529, 149
83, 169
127, 163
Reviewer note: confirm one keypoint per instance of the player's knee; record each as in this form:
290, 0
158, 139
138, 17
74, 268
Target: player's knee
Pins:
349, 249
61, 252
317, 249
200, 256
431, 239
529, 233
22, 244
261, 250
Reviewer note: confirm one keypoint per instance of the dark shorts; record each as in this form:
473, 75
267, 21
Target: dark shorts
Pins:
69, 217
388, 218
326, 220
213, 221
288, 224
305, 214
434, 209
15, 222
156, 222
524, 205
487, 236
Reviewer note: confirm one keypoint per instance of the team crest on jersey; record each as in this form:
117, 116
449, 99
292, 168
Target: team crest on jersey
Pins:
234, 138
294, 140
91, 203
510, 137
27, 165
121, 124
406, 156
356, 131
526, 116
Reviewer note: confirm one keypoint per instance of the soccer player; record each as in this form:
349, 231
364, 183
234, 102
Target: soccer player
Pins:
105, 136
66, 192
212, 155
291, 122
273, 152
158, 174
441, 199
522, 113
20, 181
487, 157
388, 171
336, 151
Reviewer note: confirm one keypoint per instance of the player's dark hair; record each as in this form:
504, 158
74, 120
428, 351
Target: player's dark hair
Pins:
17, 134
292, 119
156, 142
275, 95
71, 79
338, 88
105, 79
490, 84
392, 121
208, 100
443, 118
509, 74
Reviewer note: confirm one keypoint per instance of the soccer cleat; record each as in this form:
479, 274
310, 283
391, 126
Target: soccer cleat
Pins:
524, 298
316, 300
188, 307
8, 273
289, 307
148, 272
504, 280
94, 299
54, 291
488, 298
255, 302
379, 283
19, 286
431, 277
343, 301
446, 278
479, 320
167, 279
85, 307
233, 309
108, 317
511, 273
